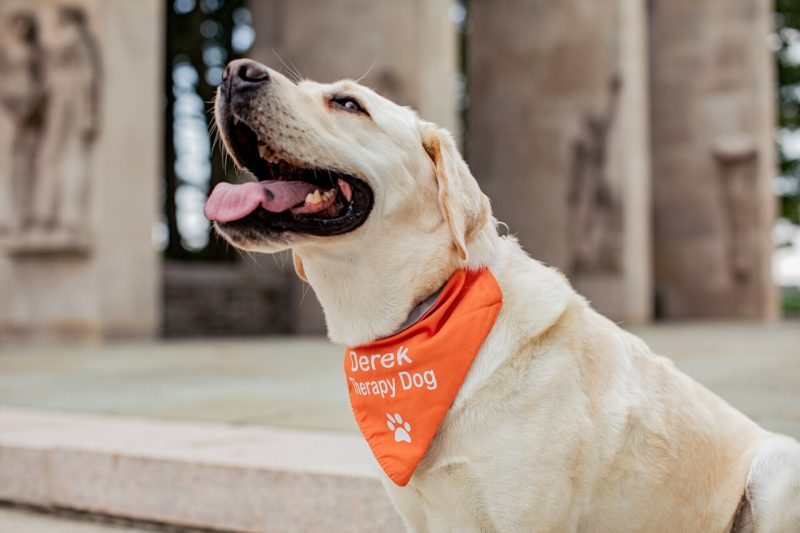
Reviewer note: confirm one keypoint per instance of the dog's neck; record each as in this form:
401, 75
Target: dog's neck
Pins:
369, 293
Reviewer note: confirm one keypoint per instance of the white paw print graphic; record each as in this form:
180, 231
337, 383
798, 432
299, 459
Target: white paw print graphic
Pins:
401, 429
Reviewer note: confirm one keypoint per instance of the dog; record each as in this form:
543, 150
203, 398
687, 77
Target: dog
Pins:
564, 422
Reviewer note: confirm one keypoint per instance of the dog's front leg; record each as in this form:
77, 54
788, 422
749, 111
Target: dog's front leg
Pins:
408, 503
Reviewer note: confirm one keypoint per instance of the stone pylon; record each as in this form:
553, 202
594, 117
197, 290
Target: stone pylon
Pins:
405, 50
80, 107
558, 138
713, 146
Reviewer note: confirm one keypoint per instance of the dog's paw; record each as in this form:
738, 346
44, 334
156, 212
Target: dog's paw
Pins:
401, 429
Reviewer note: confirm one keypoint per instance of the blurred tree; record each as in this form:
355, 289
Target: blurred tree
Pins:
787, 56
201, 37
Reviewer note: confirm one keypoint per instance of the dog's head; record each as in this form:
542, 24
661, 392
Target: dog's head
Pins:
335, 164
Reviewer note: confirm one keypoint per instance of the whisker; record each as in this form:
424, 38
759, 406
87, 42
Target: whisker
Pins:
369, 69
281, 259
253, 258
305, 292
294, 73
300, 76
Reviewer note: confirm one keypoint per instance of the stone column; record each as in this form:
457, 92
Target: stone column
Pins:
713, 146
80, 111
558, 139
405, 50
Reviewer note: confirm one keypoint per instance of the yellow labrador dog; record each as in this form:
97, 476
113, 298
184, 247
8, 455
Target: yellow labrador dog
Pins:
564, 422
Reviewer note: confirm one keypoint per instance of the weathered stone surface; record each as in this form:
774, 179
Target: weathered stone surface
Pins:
204, 475
225, 299
558, 138
713, 157
404, 50
34, 521
24, 475
79, 136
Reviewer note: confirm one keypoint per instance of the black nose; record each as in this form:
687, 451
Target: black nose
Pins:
242, 73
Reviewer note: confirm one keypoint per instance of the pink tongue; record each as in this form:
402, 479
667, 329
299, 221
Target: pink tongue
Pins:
229, 202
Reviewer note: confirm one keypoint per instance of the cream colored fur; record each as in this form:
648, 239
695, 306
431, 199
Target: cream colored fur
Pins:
565, 422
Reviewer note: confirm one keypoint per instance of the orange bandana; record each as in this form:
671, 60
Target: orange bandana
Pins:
401, 386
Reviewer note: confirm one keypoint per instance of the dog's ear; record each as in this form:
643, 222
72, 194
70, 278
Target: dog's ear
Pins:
464, 207
298, 266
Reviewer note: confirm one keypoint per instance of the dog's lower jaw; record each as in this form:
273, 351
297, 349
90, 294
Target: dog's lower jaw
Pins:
251, 241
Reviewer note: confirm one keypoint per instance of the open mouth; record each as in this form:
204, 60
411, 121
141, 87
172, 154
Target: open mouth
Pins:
287, 196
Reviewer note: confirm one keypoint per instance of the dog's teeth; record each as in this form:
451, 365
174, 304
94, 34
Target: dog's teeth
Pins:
314, 197
263, 151
317, 197
347, 191
236, 121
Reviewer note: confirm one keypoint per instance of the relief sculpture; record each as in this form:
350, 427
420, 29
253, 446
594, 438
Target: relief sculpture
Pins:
21, 96
50, 92
595, 207
736, 158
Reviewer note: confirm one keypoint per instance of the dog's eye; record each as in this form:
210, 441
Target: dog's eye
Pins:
348, 103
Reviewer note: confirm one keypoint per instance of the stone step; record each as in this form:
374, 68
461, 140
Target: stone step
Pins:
21, 519
218, 476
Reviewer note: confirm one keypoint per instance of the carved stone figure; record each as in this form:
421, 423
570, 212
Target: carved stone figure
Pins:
736, 158
595, 230
71, 123
51, 93
22, 98
77, 263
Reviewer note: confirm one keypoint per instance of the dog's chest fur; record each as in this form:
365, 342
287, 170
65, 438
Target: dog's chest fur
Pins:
577, 427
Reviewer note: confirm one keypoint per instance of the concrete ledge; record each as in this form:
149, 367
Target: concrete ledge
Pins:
202, 475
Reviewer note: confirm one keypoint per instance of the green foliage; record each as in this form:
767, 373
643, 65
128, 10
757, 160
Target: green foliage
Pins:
791, 302
199, 34
787, 25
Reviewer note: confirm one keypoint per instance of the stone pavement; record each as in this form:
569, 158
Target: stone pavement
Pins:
275, 381
203, 475
178, 432
299, 383
756, 368
15, 520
